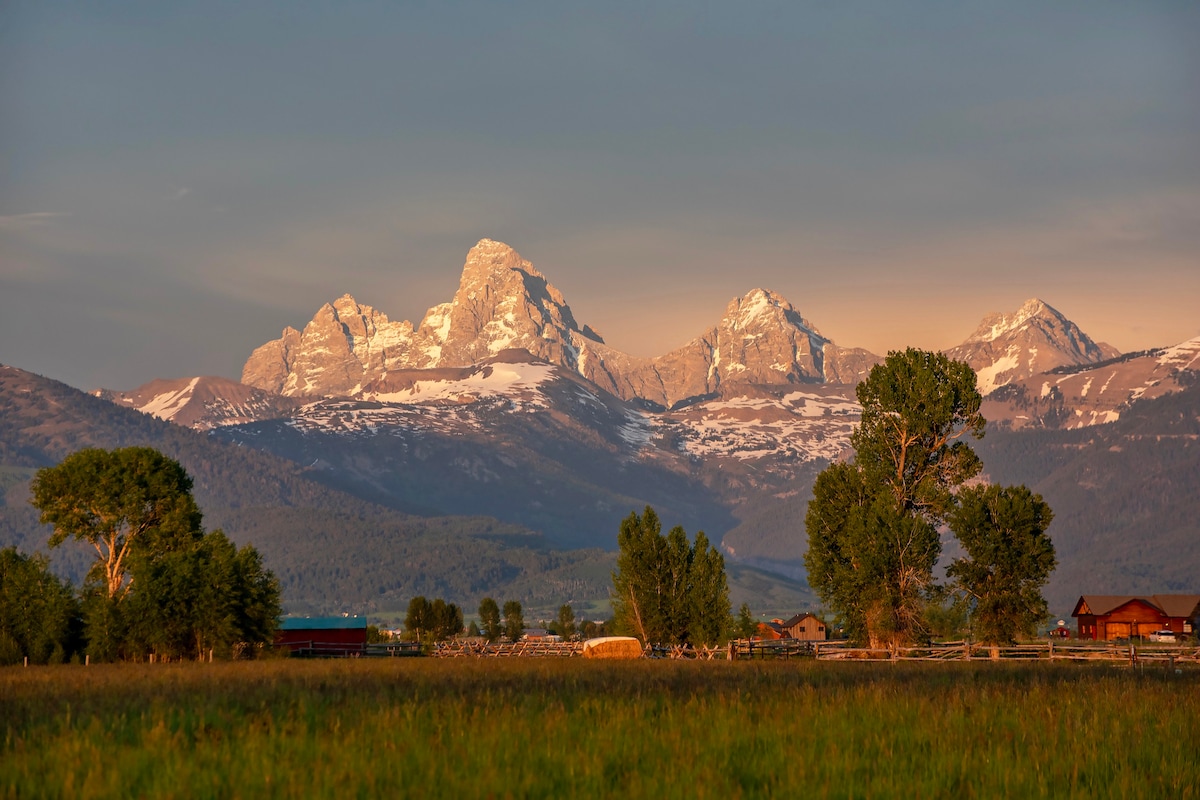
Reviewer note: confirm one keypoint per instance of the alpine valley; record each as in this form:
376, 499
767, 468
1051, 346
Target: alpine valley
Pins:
494, 447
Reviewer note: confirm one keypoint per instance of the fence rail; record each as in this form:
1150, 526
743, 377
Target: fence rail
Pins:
507, 649
786, 649
1051, 651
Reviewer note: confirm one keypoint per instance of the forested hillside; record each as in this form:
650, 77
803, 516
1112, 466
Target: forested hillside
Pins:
331, 551
1126, 497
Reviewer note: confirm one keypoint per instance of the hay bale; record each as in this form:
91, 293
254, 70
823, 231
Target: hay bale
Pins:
612, 647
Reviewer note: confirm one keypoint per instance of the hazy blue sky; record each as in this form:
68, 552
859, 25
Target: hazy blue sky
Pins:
179, 181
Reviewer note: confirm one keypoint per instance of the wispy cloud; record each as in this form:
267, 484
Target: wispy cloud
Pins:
34, 219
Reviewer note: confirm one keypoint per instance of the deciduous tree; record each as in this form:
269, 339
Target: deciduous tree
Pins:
666, 590
121, 502
514, 621
39, 616
489, 619
446, 620
745, 624
873, 523
1008, 559
419, 619
160, 583
566, 621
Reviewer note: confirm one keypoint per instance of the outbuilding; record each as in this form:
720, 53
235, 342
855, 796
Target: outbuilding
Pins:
807, 627
322, 636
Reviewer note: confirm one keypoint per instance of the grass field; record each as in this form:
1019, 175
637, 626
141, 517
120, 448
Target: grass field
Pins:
570, 727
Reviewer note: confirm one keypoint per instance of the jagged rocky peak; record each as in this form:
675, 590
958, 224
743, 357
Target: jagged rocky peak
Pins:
761, 339
344, 345
502, 302
761, 308
1007, 347
998, 324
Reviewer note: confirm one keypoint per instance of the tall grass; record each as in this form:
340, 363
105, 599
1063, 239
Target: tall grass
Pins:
533, 728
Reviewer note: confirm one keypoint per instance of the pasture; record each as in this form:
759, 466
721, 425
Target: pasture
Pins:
570, 727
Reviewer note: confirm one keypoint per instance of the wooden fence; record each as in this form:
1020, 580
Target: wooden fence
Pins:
786, 649
1168, 655
533, 649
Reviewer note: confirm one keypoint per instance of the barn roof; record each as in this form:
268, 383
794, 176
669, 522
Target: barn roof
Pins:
1173, 605
322, 623
1178, 605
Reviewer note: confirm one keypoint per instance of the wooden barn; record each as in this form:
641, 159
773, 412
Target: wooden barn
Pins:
323, 636
1105, 617
808, 627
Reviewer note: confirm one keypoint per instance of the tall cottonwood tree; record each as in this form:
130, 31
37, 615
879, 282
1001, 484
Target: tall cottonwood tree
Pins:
160, 583
665, 589
1008, 560
873, 522
121, 502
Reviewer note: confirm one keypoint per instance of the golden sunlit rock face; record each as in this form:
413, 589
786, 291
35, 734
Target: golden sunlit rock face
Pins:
504, 303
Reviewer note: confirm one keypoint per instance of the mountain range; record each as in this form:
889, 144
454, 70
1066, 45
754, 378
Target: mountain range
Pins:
499, 404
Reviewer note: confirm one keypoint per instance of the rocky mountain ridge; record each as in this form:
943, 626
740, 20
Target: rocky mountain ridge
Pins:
1035, 339
503, 303
1080, 396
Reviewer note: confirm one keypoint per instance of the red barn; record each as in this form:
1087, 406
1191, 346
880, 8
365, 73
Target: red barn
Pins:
1119, 616
323, 636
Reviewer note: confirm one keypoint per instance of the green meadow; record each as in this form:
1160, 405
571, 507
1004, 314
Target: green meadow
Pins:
571, 727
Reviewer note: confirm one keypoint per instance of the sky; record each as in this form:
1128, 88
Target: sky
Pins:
180, 181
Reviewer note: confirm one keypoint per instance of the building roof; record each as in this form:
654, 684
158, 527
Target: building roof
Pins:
322, 623
1172, 605
801, 617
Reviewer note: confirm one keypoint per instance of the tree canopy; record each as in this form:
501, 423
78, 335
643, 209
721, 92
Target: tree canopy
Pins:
665, 589
39, 616
122, 502
433, 621
514, 621
873, 522
489, 619
1008, 559
160, 583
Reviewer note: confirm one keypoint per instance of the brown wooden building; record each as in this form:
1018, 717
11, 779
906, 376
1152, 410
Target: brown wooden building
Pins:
1105, 617
808, 627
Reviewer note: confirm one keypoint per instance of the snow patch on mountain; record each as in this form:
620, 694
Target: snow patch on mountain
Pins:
168, 404
491, 381
798, 426
986, 377
1185, 355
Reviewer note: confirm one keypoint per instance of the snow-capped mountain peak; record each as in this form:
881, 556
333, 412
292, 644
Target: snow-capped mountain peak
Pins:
1007, 347
996, 325
504, 303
